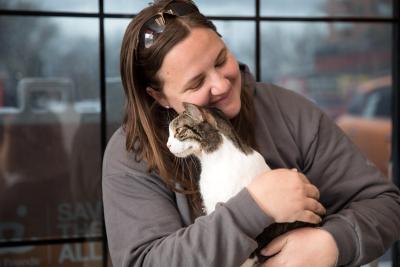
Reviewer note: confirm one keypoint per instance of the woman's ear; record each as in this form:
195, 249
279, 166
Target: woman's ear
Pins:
158, 96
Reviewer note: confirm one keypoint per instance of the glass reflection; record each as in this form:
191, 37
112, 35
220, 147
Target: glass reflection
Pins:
124, 6
114, 31
356, 8
50, 5
227, 8
87, 254
367, 119
346, 70
325, 62
207, 7
239, 37
49, 128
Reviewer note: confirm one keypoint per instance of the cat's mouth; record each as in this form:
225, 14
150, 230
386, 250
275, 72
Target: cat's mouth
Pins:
182, 154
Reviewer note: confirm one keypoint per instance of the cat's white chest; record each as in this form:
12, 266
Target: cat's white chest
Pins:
227, 171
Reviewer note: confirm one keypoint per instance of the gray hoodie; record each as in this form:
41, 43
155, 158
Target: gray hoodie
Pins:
149, 225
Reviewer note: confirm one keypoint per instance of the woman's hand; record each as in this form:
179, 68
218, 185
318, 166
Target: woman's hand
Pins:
287, 196
311, 247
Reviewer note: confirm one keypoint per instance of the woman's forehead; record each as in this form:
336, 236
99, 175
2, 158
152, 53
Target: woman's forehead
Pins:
191, 56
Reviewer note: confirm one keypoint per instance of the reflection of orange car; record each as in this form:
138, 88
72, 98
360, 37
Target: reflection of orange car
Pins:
367, 120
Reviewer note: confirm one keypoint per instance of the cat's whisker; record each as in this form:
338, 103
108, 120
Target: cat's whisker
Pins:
185, 164
177, 162
180, 165
196, 164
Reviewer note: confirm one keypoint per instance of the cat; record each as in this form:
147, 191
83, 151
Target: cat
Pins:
227, 163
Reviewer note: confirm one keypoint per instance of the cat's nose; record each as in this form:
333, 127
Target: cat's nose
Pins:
168, 144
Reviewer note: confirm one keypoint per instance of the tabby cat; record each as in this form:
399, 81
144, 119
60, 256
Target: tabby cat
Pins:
227, 164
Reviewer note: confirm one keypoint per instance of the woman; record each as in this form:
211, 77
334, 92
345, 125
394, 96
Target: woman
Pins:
172, 54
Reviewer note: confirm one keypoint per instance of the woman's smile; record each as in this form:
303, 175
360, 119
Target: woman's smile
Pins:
223, 100
202, 71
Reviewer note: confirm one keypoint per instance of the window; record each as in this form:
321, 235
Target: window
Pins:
60, 58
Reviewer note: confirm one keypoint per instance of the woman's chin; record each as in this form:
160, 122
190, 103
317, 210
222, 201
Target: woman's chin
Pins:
232, 110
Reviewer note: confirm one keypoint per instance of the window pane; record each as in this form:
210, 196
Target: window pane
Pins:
364, 8
344, 68
207, 7
125, 6
88, 254
51, 5
49, 128
227, 8
114, 32
320, 59
240, 37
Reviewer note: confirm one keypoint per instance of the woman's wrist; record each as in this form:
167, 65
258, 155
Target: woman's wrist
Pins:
248, 214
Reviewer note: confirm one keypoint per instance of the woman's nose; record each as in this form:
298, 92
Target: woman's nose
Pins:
219, 85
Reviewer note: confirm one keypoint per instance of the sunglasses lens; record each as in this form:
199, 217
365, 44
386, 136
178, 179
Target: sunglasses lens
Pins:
152, 28
156, 25
148, 39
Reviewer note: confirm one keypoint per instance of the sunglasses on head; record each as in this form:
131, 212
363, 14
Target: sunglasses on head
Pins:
155, 25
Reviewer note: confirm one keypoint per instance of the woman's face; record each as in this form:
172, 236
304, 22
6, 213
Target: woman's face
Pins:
202, 71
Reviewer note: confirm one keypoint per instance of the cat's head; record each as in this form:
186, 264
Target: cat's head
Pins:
195, 130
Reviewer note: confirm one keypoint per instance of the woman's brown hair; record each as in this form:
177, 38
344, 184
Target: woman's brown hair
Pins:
145, 122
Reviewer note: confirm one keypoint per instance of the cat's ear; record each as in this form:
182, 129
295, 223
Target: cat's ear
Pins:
158, 96
193, 111
209, 117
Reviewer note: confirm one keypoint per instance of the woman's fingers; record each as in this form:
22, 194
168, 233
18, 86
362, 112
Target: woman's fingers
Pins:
311, 191
303, 178
309, 217
286, 195
314, 206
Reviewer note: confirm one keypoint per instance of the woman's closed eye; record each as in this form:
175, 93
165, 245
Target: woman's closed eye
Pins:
197, 84
220, 62
222, 58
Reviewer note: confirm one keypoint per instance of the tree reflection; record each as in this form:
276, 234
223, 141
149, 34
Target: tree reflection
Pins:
38, 47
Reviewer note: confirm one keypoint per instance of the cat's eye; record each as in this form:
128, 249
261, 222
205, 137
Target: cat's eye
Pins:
181, 131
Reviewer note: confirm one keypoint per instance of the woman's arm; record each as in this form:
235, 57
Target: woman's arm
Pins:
144, 227
363, 206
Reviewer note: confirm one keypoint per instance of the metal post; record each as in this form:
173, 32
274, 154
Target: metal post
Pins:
396, 115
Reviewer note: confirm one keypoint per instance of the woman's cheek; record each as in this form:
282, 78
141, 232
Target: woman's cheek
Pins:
199, 98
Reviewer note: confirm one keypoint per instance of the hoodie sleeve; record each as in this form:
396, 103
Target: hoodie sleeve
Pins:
363, 206
144, 227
